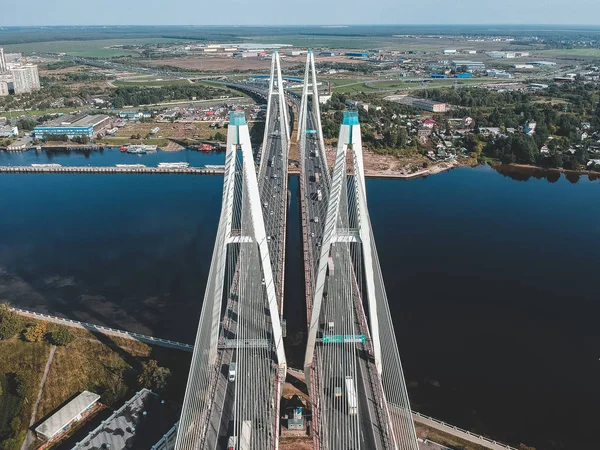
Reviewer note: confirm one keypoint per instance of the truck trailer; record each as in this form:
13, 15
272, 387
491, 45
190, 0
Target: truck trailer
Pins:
351, 397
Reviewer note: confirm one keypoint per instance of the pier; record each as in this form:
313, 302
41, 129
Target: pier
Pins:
97, 169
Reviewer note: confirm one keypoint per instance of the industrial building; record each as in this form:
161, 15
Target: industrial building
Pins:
139, 423
498, 74
135, 115
429, 105
8, 130
470, 65
502, 55
62, 419
73, 125
357, 55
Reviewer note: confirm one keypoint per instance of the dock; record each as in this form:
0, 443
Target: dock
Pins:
97, 169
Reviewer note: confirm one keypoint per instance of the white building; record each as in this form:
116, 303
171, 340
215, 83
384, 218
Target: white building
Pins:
64, 417
2, 61
8, 131
449, 52
498, 74
3, 88
25, 79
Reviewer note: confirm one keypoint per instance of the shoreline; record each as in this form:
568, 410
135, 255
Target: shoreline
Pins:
546, 169
433, 170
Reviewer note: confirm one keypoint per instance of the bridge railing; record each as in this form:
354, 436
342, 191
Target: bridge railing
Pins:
442, 424
106, 330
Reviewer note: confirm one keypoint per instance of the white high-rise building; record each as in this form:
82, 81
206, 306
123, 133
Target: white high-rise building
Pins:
2, 61
3, 88
25, 79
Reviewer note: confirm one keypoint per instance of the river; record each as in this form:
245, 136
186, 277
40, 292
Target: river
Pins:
492, 281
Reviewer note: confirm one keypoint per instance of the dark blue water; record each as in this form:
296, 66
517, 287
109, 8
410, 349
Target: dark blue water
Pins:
108, 157
492, 282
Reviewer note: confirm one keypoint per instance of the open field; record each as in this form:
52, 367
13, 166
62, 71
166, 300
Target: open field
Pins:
389, 42
570, 52
93, 49
223, 63
193, 130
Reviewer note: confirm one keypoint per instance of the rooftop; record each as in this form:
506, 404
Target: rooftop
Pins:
51, 426
75, 120
139, 423
425, 101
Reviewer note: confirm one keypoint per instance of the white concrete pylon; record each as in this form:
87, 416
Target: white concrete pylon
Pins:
238, 123
311, 88
276, 91
349, 137
197, 400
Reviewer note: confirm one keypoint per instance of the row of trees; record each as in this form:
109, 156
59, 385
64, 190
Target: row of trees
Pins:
12, 324
136, 95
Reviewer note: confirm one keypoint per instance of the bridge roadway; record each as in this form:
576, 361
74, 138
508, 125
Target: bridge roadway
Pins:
364, 430
273, 190
98, 169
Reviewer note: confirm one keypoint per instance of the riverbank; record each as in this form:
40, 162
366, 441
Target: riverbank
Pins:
523, 172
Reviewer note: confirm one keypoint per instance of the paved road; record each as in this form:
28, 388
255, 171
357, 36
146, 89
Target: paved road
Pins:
30, 438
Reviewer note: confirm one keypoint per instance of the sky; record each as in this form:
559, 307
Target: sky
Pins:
297, 12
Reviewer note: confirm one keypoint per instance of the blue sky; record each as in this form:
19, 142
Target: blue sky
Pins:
297, 12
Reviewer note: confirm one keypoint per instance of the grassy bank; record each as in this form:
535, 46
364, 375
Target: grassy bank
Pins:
109, 366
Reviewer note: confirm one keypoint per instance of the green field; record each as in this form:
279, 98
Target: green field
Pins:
348, 86
92, 49
573, 52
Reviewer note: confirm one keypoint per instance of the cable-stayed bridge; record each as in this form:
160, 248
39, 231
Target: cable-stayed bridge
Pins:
352, 364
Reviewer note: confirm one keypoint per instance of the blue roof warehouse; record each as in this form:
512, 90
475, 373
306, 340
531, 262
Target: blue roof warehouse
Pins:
73, 125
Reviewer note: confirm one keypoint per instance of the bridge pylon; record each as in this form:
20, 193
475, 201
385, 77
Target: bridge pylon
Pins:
310, 96
276, 104
250, 334
347, 228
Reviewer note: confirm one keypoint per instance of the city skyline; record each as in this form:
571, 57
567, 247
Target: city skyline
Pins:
312, 12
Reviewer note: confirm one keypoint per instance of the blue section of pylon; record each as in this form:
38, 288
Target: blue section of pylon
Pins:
237, 118
350, 118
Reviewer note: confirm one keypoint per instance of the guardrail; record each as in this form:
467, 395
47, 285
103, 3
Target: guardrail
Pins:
106, 330
100, 169
461, 433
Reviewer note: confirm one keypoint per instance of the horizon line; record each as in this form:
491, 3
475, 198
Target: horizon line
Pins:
305, 25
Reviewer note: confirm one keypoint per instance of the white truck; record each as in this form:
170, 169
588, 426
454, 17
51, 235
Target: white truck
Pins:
244, 438
319, 195
245, 435
351, 397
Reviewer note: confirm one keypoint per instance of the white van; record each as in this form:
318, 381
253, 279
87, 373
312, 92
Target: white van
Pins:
232, 370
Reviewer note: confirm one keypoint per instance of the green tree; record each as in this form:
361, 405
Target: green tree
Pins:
35, 333
153, 376
10, 322
15, 426
26, 125
62, 336
220, 137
